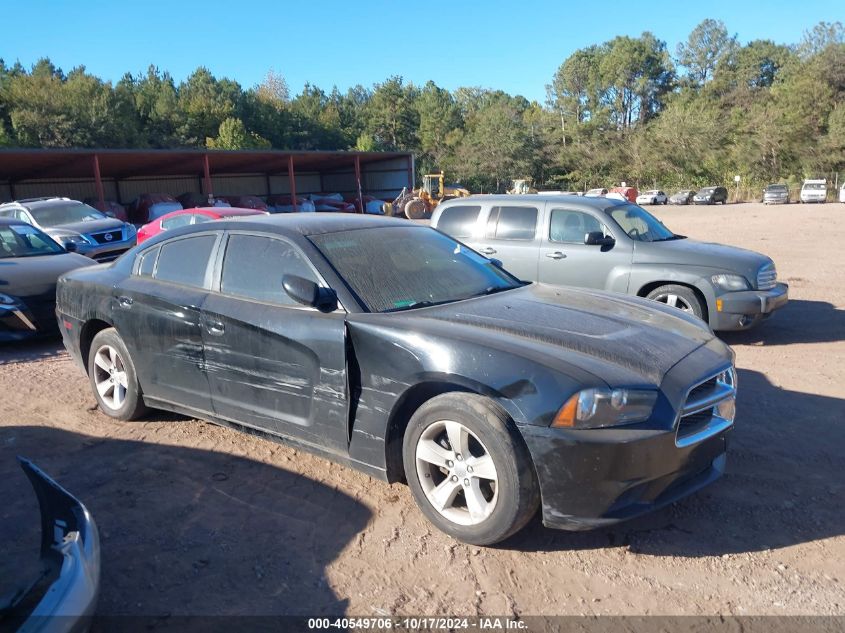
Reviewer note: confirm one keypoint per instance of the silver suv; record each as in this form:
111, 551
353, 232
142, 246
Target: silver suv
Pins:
617, 246
75, 225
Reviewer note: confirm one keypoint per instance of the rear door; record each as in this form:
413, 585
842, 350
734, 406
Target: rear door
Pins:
510, 234
158, 315
566, 260
272, 363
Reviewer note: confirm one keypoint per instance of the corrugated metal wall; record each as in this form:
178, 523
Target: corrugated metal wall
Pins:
383, 179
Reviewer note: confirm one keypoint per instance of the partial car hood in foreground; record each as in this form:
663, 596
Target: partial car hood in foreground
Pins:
35, 275
593, 330
65, 595
87, 226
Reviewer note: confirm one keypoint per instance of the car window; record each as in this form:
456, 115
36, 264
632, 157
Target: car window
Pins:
56, 214
24, 240
147, 262
571, 226
254, 265
458, 221
199, 218
184, 261
183, 219
639, 224
512, 223
415, 267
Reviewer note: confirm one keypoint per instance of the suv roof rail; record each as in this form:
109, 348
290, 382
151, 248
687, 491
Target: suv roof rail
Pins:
42, 198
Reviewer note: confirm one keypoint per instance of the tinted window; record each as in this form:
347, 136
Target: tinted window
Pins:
512, 223
184, 261
458, 221
176, 221
571, 226
399, 268
254, 266
23, 240
147, 262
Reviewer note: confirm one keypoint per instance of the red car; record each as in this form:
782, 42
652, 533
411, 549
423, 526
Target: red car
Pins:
184, 217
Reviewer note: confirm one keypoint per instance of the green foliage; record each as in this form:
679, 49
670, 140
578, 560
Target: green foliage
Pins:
618, 110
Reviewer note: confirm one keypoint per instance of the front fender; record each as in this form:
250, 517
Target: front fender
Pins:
643, 275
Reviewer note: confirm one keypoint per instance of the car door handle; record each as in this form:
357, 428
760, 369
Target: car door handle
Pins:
556, 255
125, 302
215, 328
487, 250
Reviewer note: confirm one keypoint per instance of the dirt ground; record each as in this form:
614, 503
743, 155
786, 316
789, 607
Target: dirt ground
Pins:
192, 515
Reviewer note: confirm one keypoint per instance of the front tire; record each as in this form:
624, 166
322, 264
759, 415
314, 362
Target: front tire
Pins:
680, 297
468, 469
113, 378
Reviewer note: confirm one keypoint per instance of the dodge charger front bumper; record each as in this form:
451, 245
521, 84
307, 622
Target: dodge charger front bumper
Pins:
63, 598
594, 478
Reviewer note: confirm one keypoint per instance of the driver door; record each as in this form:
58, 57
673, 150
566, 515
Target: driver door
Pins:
565, 260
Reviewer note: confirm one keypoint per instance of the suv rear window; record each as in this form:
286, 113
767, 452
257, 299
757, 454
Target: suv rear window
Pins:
184, 261
512, 223
458, 221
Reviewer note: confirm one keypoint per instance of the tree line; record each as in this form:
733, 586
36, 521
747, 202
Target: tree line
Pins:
624, 110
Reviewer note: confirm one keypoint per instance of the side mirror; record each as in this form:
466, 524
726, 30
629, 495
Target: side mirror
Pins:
71, 247
308, 293
597, 238
497, 263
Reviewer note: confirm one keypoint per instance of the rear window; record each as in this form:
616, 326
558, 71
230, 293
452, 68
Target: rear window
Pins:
185, 261
254, 267
458, 221
512, 223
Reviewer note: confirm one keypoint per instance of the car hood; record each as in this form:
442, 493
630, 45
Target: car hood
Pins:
617, 338
687, 252
89, 226
29, 276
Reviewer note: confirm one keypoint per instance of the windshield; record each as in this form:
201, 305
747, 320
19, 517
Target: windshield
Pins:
814, 185
776, 188
400, 268
65, 213
23, 240
706, 191
639, 224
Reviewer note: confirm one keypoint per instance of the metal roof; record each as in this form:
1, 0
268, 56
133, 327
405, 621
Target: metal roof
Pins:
35, 164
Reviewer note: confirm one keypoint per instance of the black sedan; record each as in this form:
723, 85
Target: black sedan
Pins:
684, 196
30, 263
392, 348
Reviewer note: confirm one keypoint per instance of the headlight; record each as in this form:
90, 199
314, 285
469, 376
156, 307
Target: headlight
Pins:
730, 282
596, 408
7, 300
130, 230
76, 239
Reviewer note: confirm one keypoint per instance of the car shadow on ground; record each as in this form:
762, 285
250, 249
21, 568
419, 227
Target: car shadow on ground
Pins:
800, 321
784, 485
31, 350
183, 530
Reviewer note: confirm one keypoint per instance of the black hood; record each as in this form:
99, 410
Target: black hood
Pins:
614, 337
29, 276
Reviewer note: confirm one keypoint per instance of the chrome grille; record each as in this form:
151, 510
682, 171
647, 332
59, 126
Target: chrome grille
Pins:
700, 415
767, 277
107, 237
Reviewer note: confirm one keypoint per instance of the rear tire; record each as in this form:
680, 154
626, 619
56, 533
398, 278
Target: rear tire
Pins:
681, 297
113, 378
468, 468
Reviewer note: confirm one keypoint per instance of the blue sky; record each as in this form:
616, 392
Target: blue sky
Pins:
513, 46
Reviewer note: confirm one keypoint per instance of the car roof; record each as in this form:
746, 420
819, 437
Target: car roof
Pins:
10, 221
599, 204
293, 224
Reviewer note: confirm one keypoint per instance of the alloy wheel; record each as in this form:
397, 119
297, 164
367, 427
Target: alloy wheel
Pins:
675, 301
110, 377
457, 473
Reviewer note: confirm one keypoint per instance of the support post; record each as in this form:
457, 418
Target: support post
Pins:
358, 182
98, 183
206, 170
410, 173
292, 181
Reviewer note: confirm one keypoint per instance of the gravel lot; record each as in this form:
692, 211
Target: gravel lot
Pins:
192, 514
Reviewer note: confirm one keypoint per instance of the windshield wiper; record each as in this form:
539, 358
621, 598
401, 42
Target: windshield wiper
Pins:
672, 237
491, 290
